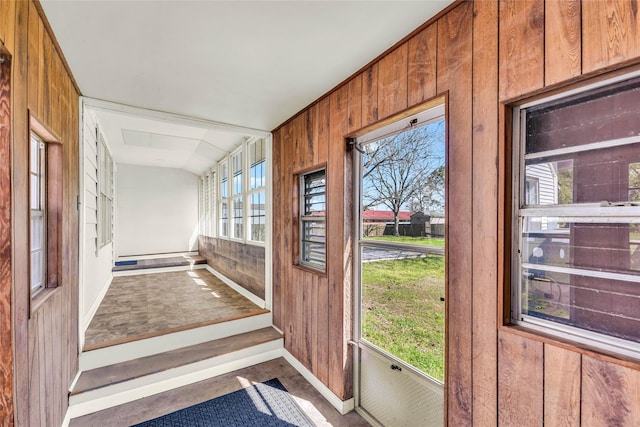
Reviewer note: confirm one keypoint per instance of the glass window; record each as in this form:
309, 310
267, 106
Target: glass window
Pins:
105, 202
38, 213
224, 198
577, 261
312, 220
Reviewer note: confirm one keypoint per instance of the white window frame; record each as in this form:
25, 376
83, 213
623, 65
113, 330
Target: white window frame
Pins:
304, 260
105, 193
224, 163
234, 197
582, 212
37, 197
253, 191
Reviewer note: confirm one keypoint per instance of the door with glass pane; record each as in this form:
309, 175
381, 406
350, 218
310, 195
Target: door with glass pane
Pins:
400, 282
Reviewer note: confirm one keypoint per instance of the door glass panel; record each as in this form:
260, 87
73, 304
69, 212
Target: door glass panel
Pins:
402, 251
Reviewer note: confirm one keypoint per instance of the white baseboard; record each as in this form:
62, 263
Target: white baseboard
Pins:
342, 406
239, 289
96, 304
157, 270
156, 256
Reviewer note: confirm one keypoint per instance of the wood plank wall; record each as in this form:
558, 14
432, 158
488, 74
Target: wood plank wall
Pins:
495, 373
45, 337
242, 263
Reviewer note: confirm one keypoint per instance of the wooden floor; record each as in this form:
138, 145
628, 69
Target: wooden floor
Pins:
313, 404
146, 305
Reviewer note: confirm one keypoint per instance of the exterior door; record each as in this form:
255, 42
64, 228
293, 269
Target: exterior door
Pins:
400, 282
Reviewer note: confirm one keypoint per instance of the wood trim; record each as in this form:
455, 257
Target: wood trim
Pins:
6, 259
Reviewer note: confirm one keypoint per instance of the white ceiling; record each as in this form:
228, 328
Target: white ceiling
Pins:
249, 63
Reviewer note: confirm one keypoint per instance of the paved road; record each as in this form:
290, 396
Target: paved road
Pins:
380, 254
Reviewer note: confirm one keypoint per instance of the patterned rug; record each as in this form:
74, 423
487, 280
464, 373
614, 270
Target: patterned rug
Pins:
264, 404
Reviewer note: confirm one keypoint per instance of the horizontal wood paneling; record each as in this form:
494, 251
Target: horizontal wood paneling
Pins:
46, 338
479, 53
242, 263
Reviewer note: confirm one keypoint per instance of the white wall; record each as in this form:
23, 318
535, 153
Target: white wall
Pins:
157, 210
96, 267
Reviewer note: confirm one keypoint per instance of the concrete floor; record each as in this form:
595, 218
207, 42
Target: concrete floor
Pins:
311, 402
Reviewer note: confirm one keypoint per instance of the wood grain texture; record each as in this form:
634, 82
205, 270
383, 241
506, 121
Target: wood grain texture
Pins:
370, 95
562, 49
561, 387
610, 394
242, 263
521, 47
610, 33
455, 76
339, 381
7, 23
354, 111
6, 279
392, 82
520, 380
276, 256
423, 48
485, 213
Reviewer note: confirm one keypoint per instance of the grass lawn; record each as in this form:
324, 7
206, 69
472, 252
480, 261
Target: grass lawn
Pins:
402, 311
413, 240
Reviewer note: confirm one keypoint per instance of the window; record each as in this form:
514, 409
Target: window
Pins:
237, 189
224, 198
37, 191
257, 195
312, 220
576, 263
105, 200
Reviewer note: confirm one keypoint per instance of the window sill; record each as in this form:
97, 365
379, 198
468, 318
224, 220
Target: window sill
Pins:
321, 273
41, 298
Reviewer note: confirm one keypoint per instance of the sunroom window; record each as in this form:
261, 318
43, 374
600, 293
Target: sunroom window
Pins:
576, 269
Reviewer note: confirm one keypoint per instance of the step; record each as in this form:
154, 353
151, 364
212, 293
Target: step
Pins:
123, 382
152, 263
158, 344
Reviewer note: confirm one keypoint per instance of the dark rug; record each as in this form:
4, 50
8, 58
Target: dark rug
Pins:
264, 404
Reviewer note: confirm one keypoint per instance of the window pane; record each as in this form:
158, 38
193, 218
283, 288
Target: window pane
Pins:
257, 164
595, 304
312, 239
224, 219
237, 173
237, 218
549, 183
257, 216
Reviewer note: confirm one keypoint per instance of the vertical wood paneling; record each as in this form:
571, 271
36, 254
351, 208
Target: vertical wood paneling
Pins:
392, 82
454, 76
354, 112
485, 212
610, 32
7, 23
335, 247
521, 47
610, 394
562, 387
277, 209
520, 395
370, 95
6, 282
562, 50
33, 57
20, 188
423, 48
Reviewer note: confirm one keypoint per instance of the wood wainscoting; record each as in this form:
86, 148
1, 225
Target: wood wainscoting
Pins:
45, 334
242, 263
493, 372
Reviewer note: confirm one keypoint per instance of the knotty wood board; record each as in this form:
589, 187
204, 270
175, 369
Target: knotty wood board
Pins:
520, 379
610, 33
392, 82
485, 213
423, 48
562, 387
562, 25
521, 47
455, 77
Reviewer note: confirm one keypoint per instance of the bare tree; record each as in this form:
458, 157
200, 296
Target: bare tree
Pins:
396, 169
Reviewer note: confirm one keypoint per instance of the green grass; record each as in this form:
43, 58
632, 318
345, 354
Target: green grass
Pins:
413, 240
402, 311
